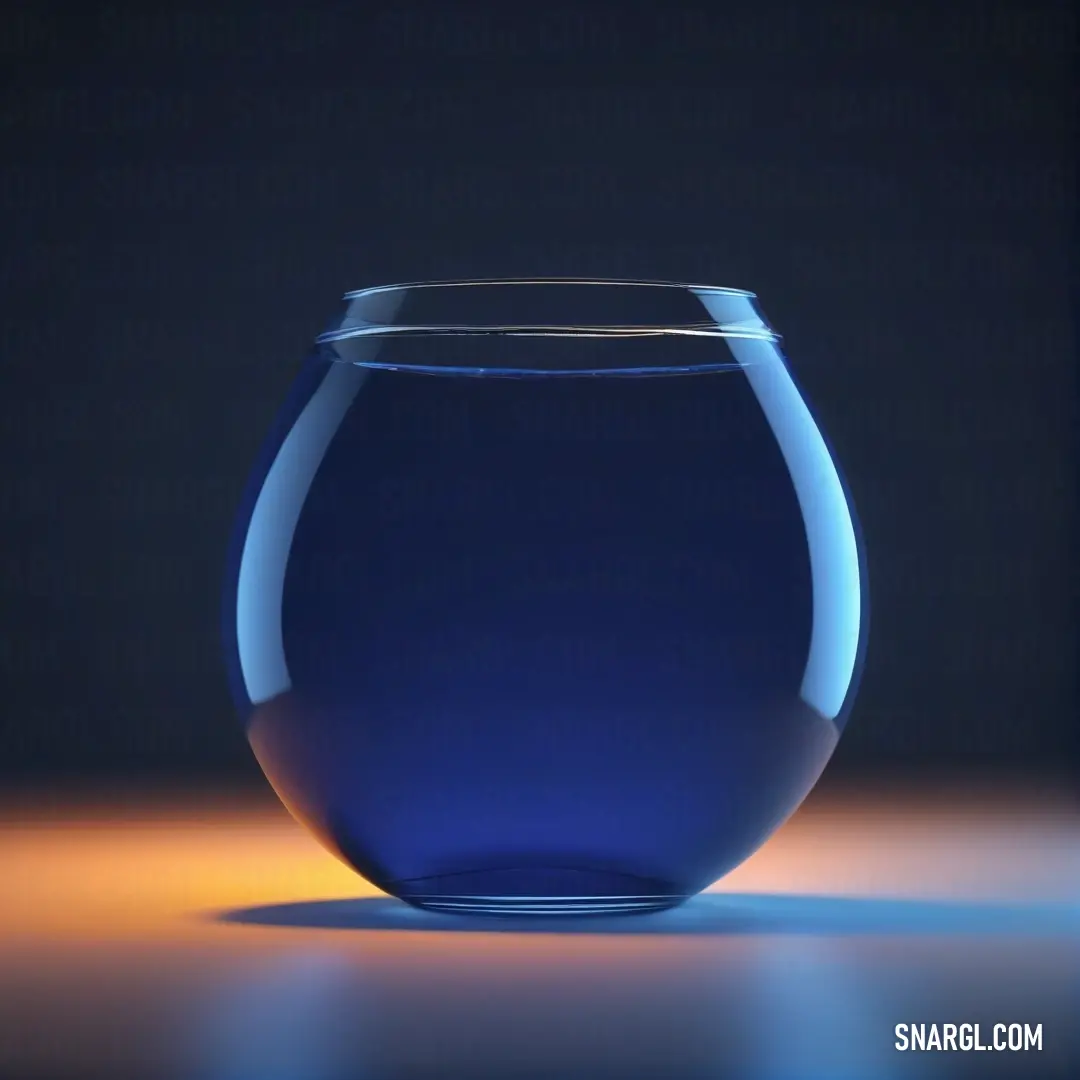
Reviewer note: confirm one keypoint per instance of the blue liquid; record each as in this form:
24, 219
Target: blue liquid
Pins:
537, 644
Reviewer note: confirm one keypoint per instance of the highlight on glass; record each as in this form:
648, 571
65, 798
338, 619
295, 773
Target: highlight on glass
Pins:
545, 596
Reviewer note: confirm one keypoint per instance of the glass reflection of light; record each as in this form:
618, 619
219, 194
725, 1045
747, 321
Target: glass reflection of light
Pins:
261, 577
292, 1019
830, 531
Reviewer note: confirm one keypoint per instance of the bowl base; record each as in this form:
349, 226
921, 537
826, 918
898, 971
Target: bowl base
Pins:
538, 889
544, 906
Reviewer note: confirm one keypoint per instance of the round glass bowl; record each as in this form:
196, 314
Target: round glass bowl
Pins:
545, 596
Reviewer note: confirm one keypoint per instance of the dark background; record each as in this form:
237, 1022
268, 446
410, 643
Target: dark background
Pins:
186, 193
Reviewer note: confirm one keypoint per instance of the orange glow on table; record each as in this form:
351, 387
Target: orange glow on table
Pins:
163, 864
114, 961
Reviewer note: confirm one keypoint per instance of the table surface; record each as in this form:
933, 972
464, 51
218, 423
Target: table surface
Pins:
202, 935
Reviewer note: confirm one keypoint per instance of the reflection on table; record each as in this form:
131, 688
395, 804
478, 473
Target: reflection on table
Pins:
190, 936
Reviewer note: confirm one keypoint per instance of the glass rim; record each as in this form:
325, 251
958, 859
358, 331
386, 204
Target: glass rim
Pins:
376, 324
449, 283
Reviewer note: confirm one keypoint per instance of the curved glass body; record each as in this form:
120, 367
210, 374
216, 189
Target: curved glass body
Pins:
545, 596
